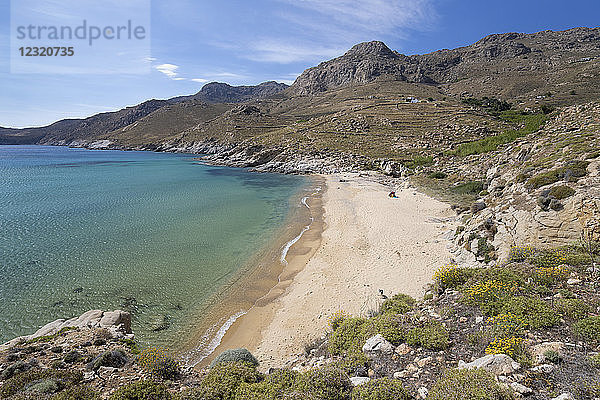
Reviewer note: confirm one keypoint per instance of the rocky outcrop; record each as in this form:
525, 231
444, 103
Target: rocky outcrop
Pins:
497, 364
368, 61
529, 200
117, 322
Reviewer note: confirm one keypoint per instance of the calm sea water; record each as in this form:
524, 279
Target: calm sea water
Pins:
152, 233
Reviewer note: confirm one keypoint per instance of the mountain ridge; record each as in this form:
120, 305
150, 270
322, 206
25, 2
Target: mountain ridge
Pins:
547, 68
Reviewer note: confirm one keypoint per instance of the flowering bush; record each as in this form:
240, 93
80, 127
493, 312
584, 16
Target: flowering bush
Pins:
157, 361
336, 319
510, 346
451, 276
520, 253
504, 325
551, 275
489, 291
551, 258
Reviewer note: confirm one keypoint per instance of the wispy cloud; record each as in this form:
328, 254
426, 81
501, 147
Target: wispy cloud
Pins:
321, 29
172, 72
169, 70
285, 52
353, 18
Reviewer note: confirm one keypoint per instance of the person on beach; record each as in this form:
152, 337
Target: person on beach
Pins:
392, 194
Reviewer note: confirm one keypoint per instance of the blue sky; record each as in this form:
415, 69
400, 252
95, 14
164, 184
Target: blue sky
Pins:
248, 42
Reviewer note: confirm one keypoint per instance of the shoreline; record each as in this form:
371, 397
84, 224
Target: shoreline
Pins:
253, 284
343, 262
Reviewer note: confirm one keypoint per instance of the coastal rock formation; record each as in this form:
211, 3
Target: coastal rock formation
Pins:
117, 322
558, 163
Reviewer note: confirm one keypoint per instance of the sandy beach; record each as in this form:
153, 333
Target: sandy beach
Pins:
370, 242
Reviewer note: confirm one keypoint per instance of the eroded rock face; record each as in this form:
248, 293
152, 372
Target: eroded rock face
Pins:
518, 212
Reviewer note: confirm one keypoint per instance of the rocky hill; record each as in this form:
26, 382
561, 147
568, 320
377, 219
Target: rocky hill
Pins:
216, 92
342, 107
513, 66
73, 131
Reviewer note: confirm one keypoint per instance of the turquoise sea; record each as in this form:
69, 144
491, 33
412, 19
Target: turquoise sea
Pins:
152, 233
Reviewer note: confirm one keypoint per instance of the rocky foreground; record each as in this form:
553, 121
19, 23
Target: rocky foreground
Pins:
526, 328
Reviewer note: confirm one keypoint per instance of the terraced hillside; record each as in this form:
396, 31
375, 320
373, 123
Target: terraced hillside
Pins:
366, 109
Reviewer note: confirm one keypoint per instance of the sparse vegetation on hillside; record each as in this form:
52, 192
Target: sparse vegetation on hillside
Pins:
528, 123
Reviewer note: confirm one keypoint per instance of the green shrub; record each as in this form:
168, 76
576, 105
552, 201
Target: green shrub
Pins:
566, 294
351, 334
49, 378
532, 310
44, 386
431, 335
325, 384
569, 172
77, 393
573, 309
273, 387
588, 330
47, 338
561, 192
347, 340
390, 328
419, 161
16, 368
351, 362
398, 304
463, 384
142, 390
473, 187
530, 123
158, 363
543, 179
223, 380
111, 358
552, 356
595, 360
72, 357
132, 345
437, 175
235, 355
381, 389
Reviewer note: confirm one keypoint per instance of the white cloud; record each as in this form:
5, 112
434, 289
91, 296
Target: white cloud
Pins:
199, 80
168, 69
323, 29
284, 52
178, 79
354, 18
